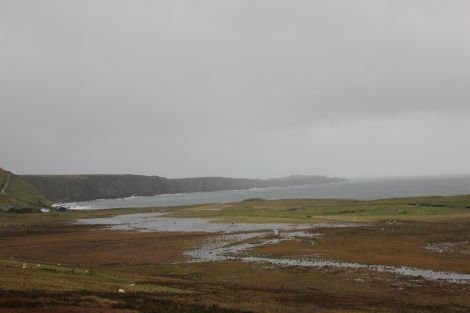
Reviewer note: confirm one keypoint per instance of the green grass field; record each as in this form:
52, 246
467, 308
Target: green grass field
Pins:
2, 177
19, 193
312, 211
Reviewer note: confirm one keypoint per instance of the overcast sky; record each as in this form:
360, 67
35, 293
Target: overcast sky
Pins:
235, 88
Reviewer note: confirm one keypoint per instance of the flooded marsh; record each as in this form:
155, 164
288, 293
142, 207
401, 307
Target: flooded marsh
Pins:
231, 241
261, 256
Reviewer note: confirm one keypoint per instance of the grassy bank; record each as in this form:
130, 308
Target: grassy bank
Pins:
19, 193
311, 211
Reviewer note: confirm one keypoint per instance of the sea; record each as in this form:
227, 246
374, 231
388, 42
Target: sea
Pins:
359, 189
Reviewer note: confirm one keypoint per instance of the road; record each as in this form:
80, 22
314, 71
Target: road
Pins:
6, 184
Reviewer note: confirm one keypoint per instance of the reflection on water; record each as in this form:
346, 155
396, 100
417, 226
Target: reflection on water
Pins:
229, 247
448, 247
235, 240
155, 222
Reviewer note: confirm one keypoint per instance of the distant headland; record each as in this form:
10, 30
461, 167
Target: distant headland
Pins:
63, 188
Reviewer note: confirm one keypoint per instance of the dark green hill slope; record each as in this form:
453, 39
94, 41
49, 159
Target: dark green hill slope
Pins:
60, 188
17, 193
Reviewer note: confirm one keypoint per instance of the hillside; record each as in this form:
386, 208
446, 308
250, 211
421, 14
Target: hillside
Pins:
17, 193
61, 188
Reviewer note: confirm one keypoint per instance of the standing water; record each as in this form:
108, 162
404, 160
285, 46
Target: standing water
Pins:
231, 242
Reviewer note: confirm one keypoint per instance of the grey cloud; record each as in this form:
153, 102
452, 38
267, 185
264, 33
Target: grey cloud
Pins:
185, 88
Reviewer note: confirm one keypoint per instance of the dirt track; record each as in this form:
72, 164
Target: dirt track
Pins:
6, 184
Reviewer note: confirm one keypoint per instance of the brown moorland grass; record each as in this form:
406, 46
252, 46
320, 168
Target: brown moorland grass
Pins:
100, 247
400, 244
234, 285
82, 267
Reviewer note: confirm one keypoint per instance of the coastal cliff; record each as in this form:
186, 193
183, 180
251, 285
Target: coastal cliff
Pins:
63, 188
